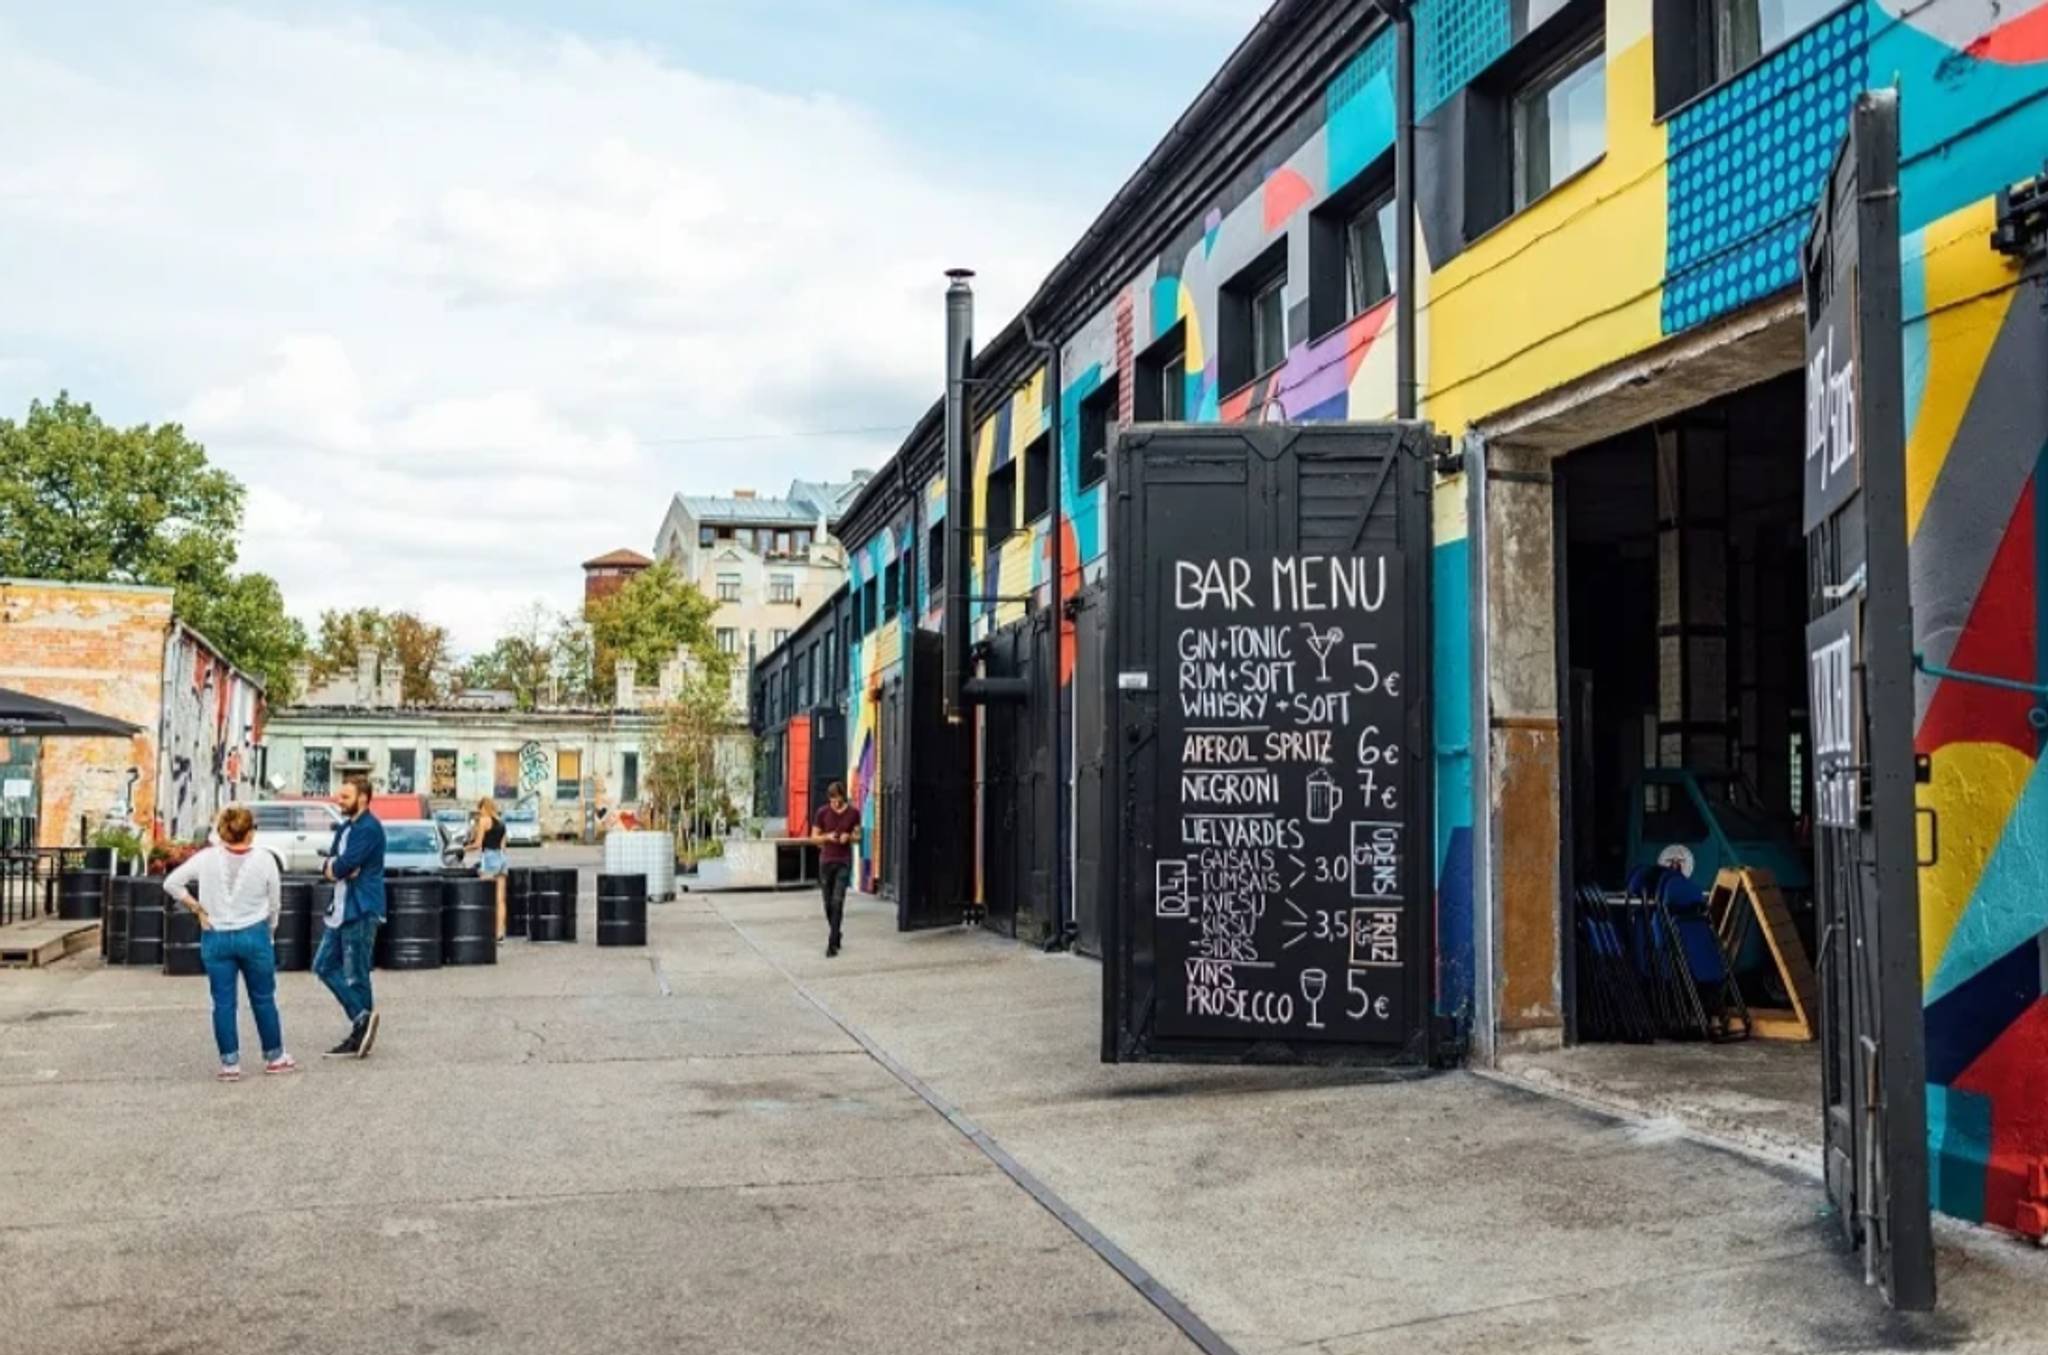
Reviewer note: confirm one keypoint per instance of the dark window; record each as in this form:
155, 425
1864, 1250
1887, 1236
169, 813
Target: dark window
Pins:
871, 603
1537, 118
629, 776
404, 770
1098, 416
1001, 498
910, 580
1038, 478
1351, 249
1701, 43
1162, 377
1560, 122
935, 557
1252, 313
706, 535
892, 590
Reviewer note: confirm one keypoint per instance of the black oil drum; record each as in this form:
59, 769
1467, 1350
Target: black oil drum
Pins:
622, 910
82, 894
469, 921
411, 935
181, 942
146, 923
120, 909
294, 924
551, 900
518, 890
316, 919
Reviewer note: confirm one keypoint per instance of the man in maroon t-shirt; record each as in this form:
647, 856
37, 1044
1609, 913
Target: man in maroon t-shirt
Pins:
835, 829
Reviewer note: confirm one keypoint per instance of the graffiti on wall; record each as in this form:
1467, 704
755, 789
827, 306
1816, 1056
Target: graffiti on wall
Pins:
208, 738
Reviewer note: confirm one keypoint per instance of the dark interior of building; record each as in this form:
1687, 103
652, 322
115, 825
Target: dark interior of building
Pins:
1681, 676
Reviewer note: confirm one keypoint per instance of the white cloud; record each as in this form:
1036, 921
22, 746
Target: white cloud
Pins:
457, 304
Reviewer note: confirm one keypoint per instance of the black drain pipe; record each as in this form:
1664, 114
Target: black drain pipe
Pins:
1402, 14
959, 498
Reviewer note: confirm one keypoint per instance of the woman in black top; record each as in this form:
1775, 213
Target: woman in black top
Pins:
488, 837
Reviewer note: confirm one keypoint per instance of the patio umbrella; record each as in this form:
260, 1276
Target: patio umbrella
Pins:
22, 714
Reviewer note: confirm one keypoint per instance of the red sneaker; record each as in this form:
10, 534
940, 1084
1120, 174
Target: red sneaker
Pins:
283, 1063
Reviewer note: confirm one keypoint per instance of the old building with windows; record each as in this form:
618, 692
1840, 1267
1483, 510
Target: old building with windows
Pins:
766, 563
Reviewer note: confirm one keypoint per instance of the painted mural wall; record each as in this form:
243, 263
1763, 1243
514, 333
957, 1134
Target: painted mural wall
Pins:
1684, 219
207, 739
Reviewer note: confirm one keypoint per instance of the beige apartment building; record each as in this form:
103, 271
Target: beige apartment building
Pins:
767, 563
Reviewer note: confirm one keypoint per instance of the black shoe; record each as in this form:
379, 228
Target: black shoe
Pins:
351, 1047
832, 948
370, 1023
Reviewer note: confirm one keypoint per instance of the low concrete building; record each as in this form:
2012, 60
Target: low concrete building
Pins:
117, 650
576, 767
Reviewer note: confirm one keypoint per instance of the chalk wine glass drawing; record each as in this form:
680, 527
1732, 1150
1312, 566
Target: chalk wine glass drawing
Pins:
1313, 984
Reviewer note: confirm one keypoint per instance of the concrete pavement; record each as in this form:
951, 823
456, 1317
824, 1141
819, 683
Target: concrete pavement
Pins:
676, 1149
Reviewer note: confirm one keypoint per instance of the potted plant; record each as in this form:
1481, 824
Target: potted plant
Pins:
112, 848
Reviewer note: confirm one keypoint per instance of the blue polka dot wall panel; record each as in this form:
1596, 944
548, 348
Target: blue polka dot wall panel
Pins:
1746, 165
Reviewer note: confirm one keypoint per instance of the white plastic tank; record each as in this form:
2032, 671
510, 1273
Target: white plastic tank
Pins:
640, 852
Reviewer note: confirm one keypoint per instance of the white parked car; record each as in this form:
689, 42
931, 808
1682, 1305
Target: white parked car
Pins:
522, 826
296, 832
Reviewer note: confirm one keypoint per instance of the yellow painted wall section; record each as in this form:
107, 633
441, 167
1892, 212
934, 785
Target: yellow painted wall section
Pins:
1573, 282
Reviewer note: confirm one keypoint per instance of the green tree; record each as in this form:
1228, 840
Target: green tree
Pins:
248, 621
647, 621
697, 750
522, 661
86, 502
426, 663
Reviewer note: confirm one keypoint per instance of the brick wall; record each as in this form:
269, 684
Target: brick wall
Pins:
100, 647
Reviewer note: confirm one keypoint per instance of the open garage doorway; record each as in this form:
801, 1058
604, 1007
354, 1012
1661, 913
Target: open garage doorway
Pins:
1688, 902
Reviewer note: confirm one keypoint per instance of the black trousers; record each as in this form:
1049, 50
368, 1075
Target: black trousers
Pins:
832, 876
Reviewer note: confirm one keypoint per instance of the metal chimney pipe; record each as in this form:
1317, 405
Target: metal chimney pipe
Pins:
959, 495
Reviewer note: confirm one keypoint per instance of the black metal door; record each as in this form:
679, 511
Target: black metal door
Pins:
828, 752
939, 865
1859, 643
1090, 746
1013, 762
889, 819
1269, 892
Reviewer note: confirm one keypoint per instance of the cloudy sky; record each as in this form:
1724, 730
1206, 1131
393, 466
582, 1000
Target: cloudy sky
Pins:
464, 290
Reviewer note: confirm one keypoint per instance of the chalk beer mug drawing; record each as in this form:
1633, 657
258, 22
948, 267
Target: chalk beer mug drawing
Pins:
1325, 796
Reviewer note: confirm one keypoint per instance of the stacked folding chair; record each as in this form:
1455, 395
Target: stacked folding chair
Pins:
1612, 1003
1691, 983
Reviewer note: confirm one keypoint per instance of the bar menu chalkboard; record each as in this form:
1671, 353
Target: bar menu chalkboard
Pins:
1283, 823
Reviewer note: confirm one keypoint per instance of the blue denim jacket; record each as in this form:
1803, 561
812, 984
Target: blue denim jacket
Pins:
361, 865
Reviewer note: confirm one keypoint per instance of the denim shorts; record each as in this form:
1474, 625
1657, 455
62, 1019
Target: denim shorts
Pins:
492, 864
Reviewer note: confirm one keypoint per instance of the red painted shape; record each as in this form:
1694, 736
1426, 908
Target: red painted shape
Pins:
1235, 408
2010, 1074
1286, 193
1127, 388
1360, 334
1998, 639
2018, 42
1070, 586
798, 770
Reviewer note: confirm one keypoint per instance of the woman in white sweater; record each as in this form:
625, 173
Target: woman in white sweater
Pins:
237, 903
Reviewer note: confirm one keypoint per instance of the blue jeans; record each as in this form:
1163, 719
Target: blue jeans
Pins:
343, 964
243, 954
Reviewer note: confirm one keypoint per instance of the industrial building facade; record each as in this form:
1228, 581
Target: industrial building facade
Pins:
1610, 204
